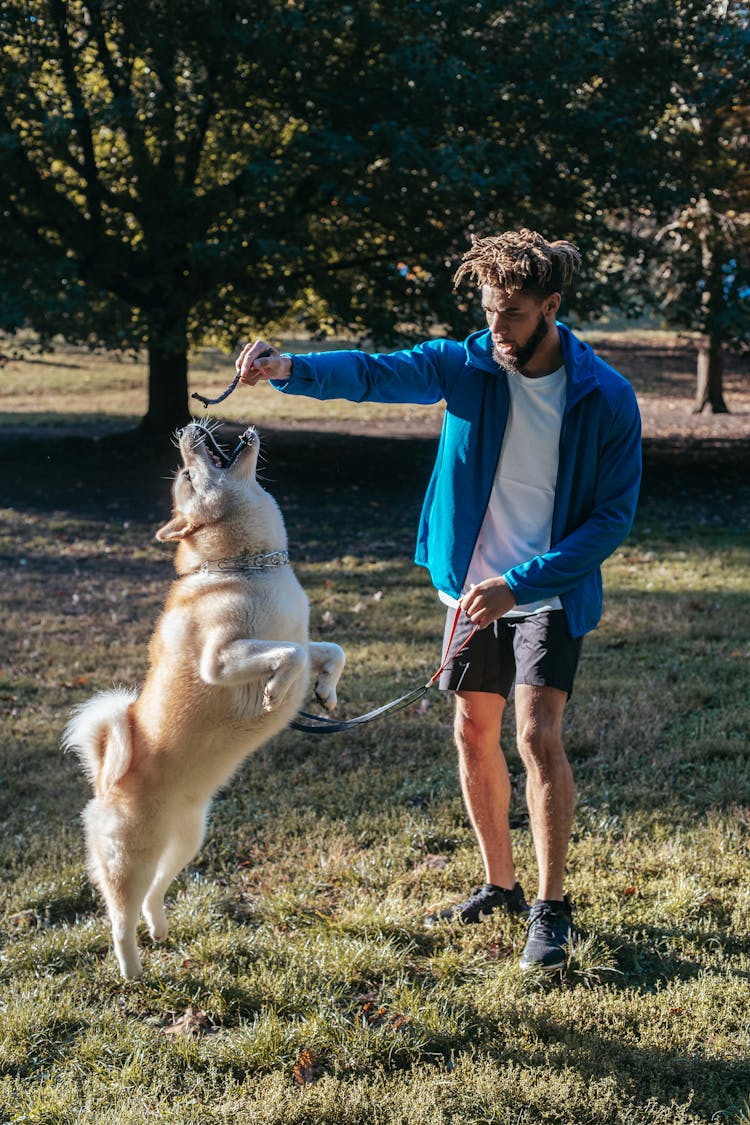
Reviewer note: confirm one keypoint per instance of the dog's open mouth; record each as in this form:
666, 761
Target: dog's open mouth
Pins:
216, 454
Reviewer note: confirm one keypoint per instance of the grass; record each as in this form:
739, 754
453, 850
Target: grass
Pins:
298, 984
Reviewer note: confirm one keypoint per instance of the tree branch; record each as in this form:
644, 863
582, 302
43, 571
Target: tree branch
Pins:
195, 145
121, 93
69, 220
80, 114
163, 60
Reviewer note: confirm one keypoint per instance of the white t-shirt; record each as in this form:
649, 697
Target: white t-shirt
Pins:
517, 524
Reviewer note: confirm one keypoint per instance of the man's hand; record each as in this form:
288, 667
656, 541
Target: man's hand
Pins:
487, 601
262, 361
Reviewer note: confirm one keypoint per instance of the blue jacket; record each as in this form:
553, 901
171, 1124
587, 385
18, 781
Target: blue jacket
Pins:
599, 465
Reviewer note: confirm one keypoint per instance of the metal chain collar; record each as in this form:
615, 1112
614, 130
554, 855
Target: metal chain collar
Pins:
244, 562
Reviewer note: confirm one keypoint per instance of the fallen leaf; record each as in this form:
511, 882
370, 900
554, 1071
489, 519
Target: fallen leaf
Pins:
194, 1022
365, 997
24, 920
398, 1020
304, 1069
373, 1015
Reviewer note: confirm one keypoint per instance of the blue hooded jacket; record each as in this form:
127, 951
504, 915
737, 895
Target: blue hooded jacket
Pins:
599, 465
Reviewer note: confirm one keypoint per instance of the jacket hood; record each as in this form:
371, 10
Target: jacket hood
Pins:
579, 358
478, 348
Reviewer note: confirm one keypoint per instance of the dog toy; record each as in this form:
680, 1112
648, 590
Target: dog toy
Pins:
212, 401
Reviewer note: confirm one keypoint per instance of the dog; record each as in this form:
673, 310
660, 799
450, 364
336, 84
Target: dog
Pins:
230, 662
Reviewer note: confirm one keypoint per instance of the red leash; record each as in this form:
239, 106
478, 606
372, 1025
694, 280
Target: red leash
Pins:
448, 654
321, 724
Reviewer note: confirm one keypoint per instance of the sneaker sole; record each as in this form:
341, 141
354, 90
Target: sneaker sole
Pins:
537, 966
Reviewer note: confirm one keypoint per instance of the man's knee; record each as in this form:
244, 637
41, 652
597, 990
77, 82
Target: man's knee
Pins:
476, 725
539, 721
540, 743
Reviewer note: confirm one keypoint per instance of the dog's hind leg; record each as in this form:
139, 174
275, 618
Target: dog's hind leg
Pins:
122, 874
123, 904
327, 663
179, 851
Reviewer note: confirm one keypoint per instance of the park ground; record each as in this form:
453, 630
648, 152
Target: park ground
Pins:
298, 984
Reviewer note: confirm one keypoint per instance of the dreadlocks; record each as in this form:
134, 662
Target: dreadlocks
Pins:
521, 260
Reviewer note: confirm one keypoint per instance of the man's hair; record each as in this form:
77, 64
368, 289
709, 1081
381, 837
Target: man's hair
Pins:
519, 259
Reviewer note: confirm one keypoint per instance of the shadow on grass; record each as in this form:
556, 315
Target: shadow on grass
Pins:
644, 957
641, 1072
49, 467
88, 475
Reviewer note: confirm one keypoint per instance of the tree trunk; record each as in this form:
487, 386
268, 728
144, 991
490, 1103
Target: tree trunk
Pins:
710, 385
167, 386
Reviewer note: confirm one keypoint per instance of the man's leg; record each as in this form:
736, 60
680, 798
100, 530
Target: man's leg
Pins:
484, 780
549, 781
550, 797
481, 676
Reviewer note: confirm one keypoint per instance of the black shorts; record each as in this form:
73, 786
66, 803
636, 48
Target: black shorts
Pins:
536, 650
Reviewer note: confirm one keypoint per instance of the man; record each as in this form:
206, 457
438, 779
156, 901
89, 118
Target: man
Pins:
535, 484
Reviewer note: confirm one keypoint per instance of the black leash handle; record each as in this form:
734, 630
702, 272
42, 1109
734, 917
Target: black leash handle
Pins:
232, 386
321, 724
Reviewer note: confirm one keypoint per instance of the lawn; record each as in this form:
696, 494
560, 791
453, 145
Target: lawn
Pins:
298, 983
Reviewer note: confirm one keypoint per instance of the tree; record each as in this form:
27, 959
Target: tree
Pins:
176, 172
696, 216
169, 169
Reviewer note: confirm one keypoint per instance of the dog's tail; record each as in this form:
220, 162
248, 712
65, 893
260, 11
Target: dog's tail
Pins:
100, 734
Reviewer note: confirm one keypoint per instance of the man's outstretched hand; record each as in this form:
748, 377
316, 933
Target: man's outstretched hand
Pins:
260, 361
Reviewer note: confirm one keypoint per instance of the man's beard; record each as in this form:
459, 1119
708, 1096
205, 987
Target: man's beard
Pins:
518, 360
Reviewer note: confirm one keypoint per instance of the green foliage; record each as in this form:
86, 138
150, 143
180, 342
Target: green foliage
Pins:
695, 219
175, 173
223, 164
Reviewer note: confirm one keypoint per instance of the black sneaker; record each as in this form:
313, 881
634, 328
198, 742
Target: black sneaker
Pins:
481, 904
550, 935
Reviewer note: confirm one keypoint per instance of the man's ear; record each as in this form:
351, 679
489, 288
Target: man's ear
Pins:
552, 304
177, 528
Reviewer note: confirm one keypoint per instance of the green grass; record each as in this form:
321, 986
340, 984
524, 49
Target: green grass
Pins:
298, 927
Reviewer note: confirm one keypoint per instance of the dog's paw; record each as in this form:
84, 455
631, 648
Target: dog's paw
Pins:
156, 920
129, 961
328, 662
274, 693
289, 664
325, 692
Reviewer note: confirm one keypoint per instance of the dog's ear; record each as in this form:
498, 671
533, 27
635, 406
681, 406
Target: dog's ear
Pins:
177, 528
